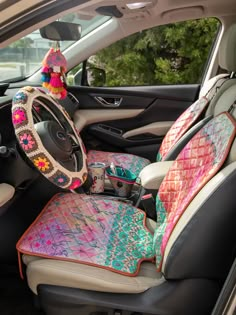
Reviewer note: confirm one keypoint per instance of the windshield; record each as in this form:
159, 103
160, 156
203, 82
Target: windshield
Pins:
24, 56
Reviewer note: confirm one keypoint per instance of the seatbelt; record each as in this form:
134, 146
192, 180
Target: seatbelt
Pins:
206, 90
232, 107
212, 91
149, 206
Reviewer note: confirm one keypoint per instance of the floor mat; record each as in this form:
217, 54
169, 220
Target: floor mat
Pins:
15, 296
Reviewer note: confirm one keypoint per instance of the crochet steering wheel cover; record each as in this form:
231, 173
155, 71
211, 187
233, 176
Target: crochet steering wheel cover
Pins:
32, 145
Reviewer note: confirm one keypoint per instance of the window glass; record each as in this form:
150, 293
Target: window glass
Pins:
169, 54
24, 56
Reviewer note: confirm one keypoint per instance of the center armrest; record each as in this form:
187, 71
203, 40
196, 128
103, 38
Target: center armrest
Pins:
153, 174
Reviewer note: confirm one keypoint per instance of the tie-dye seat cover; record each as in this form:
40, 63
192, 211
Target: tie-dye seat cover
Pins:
90, 230
131, 162
181, 126
112, 235
136, 163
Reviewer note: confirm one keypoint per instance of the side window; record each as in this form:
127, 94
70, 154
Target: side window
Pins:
167, 54
74, 77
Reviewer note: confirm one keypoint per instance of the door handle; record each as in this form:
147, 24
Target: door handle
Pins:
109, 101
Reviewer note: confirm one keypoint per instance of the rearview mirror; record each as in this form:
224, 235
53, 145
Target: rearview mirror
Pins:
60, 31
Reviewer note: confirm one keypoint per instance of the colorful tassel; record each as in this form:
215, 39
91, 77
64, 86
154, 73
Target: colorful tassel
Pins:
56, 80
53, 73
45, 69
63, 93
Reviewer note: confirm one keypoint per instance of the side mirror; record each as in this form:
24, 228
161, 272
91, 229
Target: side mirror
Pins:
96, 76
60, 31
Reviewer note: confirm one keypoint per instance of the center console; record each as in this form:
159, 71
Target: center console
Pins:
143, 190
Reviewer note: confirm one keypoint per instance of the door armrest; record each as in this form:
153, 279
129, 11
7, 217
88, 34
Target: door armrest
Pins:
6, 193
159, 128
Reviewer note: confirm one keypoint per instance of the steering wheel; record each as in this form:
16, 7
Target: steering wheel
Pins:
53, 145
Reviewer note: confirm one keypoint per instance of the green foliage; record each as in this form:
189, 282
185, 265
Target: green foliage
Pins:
25, 42
96, 76
71, 78
76, 69
169, 54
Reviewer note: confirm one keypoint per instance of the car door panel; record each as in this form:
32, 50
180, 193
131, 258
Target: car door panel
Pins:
130, 100
135, 96
115, 136
86, 117
133, 125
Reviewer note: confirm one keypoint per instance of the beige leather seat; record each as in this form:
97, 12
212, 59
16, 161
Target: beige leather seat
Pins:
212, 200
142, 167
74, 275
208, 251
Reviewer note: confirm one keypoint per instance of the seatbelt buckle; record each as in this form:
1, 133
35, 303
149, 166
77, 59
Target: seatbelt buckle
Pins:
148, 204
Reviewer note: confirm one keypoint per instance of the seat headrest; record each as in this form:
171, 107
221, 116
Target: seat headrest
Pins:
227, 50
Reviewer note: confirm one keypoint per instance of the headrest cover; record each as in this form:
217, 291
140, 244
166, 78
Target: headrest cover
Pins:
227, 51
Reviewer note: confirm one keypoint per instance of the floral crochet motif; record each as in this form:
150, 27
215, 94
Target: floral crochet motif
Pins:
42, 164
24, 101
75, 184
60, 179
26, 141
18, 116
20, 97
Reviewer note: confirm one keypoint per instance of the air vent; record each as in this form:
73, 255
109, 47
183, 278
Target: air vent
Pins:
3, 87
73, 98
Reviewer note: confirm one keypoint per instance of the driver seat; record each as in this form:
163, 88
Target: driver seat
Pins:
89, 255
176, 137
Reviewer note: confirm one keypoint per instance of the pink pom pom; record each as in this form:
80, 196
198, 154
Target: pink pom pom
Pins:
45, 77
63, 94
45, 69
56, 80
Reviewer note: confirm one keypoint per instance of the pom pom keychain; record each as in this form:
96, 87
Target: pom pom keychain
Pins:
53, 72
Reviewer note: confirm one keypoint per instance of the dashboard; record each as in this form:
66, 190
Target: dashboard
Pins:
7, 134
14, 168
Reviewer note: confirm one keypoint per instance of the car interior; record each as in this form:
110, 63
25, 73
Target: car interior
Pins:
160, 237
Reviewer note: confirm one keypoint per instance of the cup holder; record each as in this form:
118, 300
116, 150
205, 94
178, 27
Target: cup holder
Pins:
122, 180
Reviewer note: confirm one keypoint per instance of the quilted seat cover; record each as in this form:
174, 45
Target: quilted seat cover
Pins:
181, 126
185, 121
135, 163
112, 235
197, 163
131, 162
90, 230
